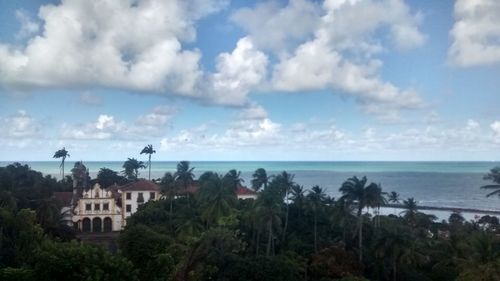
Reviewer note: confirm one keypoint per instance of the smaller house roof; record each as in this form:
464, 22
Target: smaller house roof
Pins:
243, 190
63, 197
140, 185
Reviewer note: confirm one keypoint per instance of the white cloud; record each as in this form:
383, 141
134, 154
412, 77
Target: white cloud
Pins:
237, 73
28, 26
254, 111
315, 65
107, 127
476, 33
88, 98
251, 132
160, 116
320, 138
274, 27
495, 126
252, 128
343, 27
19, 126
92, 43
472, 125
340, 56
469, 137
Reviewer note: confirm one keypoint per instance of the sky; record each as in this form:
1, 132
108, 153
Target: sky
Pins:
333, 80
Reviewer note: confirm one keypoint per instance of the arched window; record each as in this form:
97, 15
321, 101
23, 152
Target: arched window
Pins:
108, 225
86, 225
97, 225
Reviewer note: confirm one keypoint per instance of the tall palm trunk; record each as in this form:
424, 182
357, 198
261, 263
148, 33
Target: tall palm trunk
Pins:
378, 216
360, 234
286, 222
257, 243
187, 193
171, 210
62, 169
344, 236
149, 164
269, 237
315, 233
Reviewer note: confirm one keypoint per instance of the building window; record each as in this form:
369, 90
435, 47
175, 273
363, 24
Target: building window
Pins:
151, 196
140, 198
128, 208
129, 196
88, 207
105, 207
97, 207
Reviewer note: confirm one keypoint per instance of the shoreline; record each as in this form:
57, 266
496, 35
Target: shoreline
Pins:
447, 209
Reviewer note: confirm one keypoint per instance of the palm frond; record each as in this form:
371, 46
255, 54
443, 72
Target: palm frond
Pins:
496, 192
491, 186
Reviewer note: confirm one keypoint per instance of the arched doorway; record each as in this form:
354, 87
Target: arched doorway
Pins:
97, 225
108, 225
86, 225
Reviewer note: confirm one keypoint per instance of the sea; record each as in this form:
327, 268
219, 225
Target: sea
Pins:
438, 184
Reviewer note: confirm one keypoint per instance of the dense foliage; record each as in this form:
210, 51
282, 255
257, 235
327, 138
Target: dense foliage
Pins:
288, 233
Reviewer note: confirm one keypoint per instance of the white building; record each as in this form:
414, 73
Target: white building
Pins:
97, 211
134, 194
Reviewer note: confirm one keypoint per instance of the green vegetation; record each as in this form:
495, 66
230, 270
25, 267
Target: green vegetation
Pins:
288, 233
131, 168
61, 153
148, 149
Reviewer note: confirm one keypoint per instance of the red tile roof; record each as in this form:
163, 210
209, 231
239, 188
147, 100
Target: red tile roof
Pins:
63, 197
140, 185
243, 190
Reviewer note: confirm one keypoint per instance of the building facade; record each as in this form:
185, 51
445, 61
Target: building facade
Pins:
97, 211
135, 194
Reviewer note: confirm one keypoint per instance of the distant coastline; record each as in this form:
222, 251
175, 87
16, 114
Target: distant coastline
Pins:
446, 184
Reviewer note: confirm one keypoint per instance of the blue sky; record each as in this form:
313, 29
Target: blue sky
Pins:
250, 80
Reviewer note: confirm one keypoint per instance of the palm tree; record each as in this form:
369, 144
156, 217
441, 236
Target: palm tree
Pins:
218, 198
131, 168
107, 177
354, 190
188, 223
342, 214
48, 213
285, 182
376, 199
259, 179
168, 189
480, 260
61, 153
268, 209
184, 176
393, 197
316, 197
391, 244
233, 179
493, 175
297, 195
148, 149
411, 210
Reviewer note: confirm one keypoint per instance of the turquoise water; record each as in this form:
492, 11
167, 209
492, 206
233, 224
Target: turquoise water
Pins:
159, 167
446, 184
